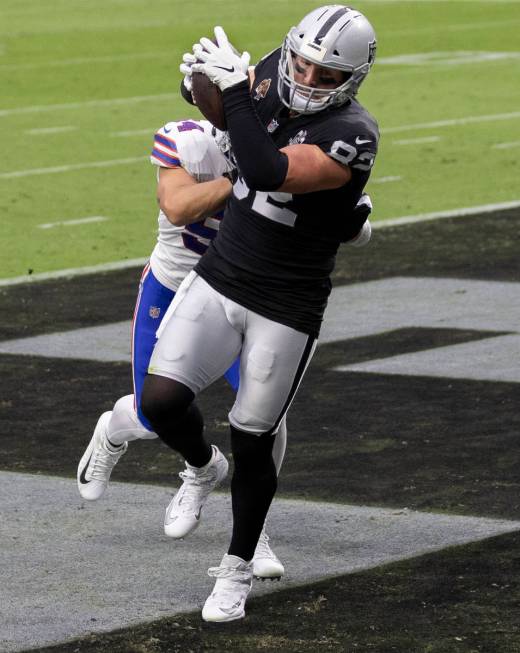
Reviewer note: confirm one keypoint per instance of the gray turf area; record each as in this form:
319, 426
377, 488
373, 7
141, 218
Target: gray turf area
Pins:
70, 568
360, 310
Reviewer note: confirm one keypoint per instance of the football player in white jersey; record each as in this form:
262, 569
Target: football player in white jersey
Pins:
304, 148
192, 190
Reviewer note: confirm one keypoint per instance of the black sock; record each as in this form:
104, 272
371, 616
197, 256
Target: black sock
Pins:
252, 489
189, 441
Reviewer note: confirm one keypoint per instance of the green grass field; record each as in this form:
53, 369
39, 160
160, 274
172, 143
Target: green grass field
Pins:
86, 83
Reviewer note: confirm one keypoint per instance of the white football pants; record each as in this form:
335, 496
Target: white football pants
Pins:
201, 335
124, 426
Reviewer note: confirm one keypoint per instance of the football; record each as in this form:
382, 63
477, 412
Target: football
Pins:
208, 98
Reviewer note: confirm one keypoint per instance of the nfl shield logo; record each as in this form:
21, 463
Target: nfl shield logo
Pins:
154, 312
272, 126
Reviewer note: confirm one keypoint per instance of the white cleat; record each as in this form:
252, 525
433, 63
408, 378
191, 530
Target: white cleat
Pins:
97, 463
265, 563
228, 599
183, 514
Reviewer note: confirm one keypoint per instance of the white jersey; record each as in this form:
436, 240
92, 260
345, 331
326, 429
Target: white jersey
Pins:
187, 144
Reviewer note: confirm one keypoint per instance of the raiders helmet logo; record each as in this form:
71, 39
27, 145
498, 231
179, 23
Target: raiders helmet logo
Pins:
371, 52
262, 89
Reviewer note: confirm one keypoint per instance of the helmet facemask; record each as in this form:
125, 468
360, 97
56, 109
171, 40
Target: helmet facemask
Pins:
308, 99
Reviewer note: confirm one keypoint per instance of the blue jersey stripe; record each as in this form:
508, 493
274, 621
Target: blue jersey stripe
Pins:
170, 160
167, 142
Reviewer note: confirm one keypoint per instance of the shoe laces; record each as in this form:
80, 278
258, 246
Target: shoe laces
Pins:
232, 581
231, 573
103, 462
195, 486
263, 550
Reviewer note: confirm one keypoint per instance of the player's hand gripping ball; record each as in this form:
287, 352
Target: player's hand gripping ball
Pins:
206, 95
208, 98
218, 67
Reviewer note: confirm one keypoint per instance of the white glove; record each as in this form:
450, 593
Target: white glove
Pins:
221, 63
188, 59
364, 205
363, 236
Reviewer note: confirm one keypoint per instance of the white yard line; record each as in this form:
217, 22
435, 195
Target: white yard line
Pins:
385, 180
83, 60
39, 108
447, 58
506, 146
134, 132
415, 141
80, 61
168, 96
431, 2
50, 130
74, 222
138, 262
452, 122
73, 166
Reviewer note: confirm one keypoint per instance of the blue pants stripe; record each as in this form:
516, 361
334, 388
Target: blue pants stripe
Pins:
152, 302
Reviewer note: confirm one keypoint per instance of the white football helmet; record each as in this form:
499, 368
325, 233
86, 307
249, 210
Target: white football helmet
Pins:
335, 37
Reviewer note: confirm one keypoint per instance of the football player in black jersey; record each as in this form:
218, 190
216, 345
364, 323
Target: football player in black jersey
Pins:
304, 148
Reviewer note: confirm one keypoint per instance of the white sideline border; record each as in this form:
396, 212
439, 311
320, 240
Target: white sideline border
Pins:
75, 272
136, 262
439, 215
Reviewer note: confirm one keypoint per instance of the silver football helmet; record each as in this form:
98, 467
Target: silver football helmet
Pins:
335, 37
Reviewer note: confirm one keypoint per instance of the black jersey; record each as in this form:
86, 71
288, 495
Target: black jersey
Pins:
275, 251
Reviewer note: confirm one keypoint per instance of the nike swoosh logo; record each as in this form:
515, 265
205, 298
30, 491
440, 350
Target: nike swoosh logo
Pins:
232, 609
228, 70
170, 520
361, 141
167, 131
82, 478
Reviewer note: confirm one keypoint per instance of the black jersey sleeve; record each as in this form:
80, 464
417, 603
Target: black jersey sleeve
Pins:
351, 139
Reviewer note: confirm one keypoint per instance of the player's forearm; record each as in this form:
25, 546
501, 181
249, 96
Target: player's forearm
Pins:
262, 165
310, 170
195, 202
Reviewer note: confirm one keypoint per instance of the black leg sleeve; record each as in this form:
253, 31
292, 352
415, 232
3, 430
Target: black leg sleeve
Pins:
175, 418
253, 487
